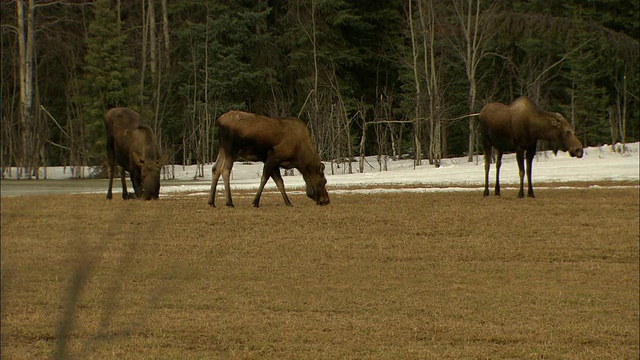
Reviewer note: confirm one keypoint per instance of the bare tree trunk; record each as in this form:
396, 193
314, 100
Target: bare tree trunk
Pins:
417, 121
363, 138
26, 47
153, 61
207, 116
165, 29
143, 52
613, 125
622, 109
431, 81
314, 43
471, 51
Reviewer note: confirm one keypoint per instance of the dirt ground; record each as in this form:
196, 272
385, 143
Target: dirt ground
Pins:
400, 275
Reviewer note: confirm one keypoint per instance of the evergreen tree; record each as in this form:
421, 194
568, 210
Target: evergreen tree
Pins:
108, 76
222, 63
586, 75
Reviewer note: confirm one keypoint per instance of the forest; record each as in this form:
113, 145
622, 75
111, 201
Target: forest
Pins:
389, 78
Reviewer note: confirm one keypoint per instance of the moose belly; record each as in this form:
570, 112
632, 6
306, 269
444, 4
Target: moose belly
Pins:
502, 143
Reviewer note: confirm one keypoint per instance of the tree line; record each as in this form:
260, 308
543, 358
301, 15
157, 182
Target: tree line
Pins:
388, 78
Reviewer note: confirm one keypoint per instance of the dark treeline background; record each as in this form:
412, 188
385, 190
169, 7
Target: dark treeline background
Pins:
369, 77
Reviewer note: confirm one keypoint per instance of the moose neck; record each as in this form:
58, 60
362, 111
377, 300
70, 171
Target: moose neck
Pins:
305, 170
541, 126
308, 162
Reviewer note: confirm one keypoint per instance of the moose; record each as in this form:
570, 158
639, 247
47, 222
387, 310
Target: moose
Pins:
518, 127
278, 143
133, 147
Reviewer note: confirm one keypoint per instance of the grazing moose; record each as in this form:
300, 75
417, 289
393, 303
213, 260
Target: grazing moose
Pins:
518, 127
278, 143
133, 146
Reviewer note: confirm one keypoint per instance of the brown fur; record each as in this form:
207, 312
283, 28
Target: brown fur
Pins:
133, 147
278, 143
518, 127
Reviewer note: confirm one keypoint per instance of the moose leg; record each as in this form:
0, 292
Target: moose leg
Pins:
530, 154
277, 178
263, 181
125, 193
498, 165
487, 165
136, 182
215, 176
226, 166
520, 159
270, 166
111, 168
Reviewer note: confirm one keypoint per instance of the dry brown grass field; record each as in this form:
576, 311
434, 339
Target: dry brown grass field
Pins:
379, 276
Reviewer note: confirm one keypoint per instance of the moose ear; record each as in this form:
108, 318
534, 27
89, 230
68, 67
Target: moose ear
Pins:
321, 168
138, 160
160, 163
555, 122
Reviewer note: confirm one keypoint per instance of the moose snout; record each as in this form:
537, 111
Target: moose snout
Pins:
576, 152
323, 199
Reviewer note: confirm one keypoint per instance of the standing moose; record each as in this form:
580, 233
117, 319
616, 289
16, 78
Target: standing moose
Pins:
518, 127
278, 143
133, 146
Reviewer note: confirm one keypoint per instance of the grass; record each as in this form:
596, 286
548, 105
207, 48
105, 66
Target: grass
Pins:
433, 275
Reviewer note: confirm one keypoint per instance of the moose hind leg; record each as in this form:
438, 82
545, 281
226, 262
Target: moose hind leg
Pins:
487, 165
215, 176
111, 169
520, 160
227, 165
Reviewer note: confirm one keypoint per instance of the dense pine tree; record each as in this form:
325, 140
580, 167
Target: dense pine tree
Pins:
108, 75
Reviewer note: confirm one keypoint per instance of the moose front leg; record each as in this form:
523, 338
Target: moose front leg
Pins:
277, 178
498, 166
125, 193
263, 182
530, 154
136, 182
270, 166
